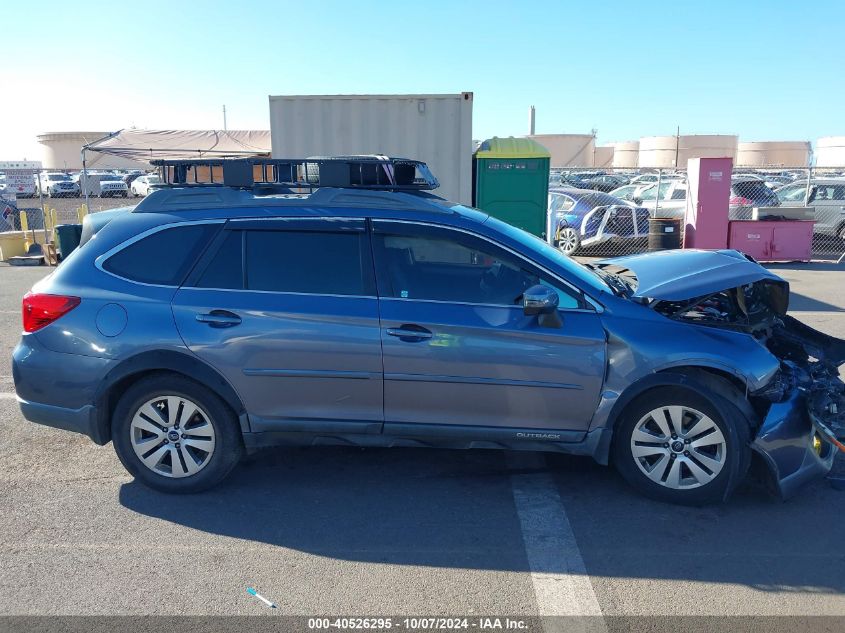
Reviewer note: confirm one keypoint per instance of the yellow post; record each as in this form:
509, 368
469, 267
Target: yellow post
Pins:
81, 212
24, 229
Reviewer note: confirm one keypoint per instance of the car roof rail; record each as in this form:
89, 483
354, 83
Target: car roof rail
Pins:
267, 176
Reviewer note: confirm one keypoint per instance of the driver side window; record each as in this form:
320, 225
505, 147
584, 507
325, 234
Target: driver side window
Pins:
433, 264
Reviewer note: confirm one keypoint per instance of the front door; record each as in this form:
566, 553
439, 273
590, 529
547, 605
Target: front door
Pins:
458, 349
286, 310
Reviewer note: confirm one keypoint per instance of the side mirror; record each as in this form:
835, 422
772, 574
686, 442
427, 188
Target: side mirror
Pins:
539, 299
638, 200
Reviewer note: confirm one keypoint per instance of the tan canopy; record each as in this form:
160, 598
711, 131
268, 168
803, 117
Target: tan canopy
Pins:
145, 145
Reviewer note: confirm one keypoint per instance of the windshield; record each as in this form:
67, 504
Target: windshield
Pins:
58, 177
586, 278
153, 180
109, 177
650, 193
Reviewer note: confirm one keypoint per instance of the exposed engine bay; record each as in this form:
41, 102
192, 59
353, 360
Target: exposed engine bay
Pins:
810, 359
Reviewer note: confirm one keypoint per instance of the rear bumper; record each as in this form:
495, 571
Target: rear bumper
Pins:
82, 420
785, 442
57, 389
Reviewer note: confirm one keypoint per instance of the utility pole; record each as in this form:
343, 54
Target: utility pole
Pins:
531, 115
677, 145
224, 117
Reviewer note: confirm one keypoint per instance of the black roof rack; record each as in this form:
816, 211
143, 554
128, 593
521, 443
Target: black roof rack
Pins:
280, 175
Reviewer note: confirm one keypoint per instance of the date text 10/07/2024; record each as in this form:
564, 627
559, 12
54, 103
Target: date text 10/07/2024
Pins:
417, 623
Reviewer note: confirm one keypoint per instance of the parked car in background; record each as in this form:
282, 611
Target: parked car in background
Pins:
670, 201
645, 179
584, 217
747, 193
129, 178
111, 186
605, 182
576, 178
55, 185
145, 185
826, 196
775, 182
627, 192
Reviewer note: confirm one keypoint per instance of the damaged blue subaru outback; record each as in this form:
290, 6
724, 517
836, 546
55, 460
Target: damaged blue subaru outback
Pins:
338, 301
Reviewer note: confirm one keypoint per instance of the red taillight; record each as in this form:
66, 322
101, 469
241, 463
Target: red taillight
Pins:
739, 201
41, 310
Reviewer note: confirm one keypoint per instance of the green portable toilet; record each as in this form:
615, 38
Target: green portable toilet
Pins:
511, 182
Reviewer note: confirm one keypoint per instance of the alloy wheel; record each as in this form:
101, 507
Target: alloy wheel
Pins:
568, 240
172, 436
678, 447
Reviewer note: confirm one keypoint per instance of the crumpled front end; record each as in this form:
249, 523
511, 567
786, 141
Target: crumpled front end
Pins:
800, 413
804, 426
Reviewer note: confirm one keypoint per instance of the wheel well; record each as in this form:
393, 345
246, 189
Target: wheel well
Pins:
723, 383
145, 365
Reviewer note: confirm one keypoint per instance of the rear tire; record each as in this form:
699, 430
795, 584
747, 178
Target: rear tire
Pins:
690, 465
166, 452
569, 241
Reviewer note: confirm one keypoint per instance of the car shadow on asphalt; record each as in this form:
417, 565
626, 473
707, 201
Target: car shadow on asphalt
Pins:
803, 303
754, 539
455, 509
397, 506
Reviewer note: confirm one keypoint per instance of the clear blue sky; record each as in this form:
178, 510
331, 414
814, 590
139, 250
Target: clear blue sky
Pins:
764, 70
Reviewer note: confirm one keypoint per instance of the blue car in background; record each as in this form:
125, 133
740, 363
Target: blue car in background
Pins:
584, 218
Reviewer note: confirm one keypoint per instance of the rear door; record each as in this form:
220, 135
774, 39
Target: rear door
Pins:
286, 309
458, 349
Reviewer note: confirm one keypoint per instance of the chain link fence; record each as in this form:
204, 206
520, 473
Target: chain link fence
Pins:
610, 212
33, 202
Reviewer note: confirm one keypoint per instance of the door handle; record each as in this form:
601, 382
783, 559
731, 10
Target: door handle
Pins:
410, 333
219, 318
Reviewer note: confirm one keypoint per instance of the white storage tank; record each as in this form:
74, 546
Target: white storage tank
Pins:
434, 128
830, 151
63, 151
568, 150
773, 154
626, 154
604, 156
660, 151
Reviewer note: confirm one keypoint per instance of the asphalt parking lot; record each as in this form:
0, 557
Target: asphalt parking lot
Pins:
404, 532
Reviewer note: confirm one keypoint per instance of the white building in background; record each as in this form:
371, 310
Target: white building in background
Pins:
663, 151
773, 153
63, 150
626, 154
568, 150
830, 151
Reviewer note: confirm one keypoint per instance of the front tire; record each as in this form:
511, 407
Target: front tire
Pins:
679, 445
175, 435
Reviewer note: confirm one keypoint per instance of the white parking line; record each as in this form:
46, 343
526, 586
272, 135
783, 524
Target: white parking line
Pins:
561, 584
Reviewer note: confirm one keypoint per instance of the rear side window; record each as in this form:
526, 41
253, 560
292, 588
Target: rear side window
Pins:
311, 262
752, 189
225, 270
163, 258
307, 262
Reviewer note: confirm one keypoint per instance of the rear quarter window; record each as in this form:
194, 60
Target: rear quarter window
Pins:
162, 258
752, 189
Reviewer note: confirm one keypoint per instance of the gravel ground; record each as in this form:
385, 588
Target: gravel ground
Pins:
403, 531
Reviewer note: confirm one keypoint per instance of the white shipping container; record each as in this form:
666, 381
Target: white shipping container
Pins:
436, 129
